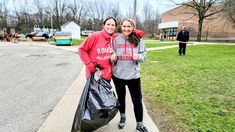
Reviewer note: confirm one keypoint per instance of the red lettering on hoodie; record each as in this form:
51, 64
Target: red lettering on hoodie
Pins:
98, 48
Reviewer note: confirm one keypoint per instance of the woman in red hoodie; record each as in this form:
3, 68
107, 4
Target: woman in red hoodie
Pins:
97, 48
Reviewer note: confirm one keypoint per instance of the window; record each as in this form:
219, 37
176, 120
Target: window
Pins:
172, 32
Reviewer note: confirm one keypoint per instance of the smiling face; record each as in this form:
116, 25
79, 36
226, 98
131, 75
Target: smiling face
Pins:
110, 26
127, 28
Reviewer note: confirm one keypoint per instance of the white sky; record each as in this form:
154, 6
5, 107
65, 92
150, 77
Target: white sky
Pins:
161, 5
126, 5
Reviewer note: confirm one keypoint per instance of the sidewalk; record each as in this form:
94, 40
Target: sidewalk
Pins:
61, 118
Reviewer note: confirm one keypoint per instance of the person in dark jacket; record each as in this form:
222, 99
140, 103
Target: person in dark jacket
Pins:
183, 38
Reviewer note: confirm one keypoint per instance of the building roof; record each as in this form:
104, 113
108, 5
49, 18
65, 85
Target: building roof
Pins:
172, 9
168, 24
67, 23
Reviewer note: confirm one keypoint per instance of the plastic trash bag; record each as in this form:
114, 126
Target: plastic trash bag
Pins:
81, 107
97, 105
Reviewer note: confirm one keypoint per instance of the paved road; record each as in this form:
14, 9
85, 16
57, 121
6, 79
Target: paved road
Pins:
32, 81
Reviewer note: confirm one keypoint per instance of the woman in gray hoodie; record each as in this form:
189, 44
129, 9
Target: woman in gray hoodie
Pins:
129, 52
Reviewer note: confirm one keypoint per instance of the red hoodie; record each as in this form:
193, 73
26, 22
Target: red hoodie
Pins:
98, 48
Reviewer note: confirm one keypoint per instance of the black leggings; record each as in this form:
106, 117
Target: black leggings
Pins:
134, 86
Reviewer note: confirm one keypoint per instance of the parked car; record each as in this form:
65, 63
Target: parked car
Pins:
49, 34
40, 36
21, 35
30, 35
63, 38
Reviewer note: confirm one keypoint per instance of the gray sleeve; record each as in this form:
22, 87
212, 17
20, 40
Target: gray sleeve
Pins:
142, 51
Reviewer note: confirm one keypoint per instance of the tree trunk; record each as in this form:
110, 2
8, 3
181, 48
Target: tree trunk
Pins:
134, 14
199, 34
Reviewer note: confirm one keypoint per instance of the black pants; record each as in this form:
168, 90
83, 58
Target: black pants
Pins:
134, 86
182, 48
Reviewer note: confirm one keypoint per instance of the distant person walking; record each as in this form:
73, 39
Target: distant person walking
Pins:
129, 52
183, 38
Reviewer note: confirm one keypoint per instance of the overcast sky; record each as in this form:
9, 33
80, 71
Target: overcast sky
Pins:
161, 5
126, 5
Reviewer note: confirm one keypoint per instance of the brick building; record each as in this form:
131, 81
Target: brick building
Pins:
216, 27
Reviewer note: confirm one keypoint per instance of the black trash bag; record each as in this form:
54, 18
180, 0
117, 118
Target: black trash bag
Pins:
97, 106
81, 107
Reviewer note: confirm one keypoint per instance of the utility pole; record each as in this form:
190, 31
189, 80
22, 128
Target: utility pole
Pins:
135, 2
52, 22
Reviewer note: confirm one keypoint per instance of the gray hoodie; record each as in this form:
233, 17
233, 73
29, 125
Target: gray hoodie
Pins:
125, 67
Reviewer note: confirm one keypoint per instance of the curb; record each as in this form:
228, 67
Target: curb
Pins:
61, 118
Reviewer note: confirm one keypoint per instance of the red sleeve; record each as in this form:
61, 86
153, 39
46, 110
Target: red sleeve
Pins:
139, 33
85, 48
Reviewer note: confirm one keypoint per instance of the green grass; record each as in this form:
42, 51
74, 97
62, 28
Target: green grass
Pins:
157, 43
146, 38
83, 37
148, 44
77, 41
191, 93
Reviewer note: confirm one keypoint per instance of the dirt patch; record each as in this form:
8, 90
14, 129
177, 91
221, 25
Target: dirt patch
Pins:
163, 119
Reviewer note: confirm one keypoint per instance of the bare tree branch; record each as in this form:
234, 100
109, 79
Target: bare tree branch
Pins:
203, 9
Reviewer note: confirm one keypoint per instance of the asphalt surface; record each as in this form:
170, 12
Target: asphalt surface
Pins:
32, 81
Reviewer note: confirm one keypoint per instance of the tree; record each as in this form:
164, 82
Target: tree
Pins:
97, 12
230, 10
22, 18
151, 19
203, 9
86, 24
58, 12
77, 10
3, 15
40, 13
114, 10
135, 6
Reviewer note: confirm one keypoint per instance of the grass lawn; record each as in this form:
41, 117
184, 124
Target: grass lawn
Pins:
146, 38
77, 41
148, 44
157, 43
191, 93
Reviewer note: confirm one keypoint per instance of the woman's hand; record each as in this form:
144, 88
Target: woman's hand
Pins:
135, 57
113, 57
91, 68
